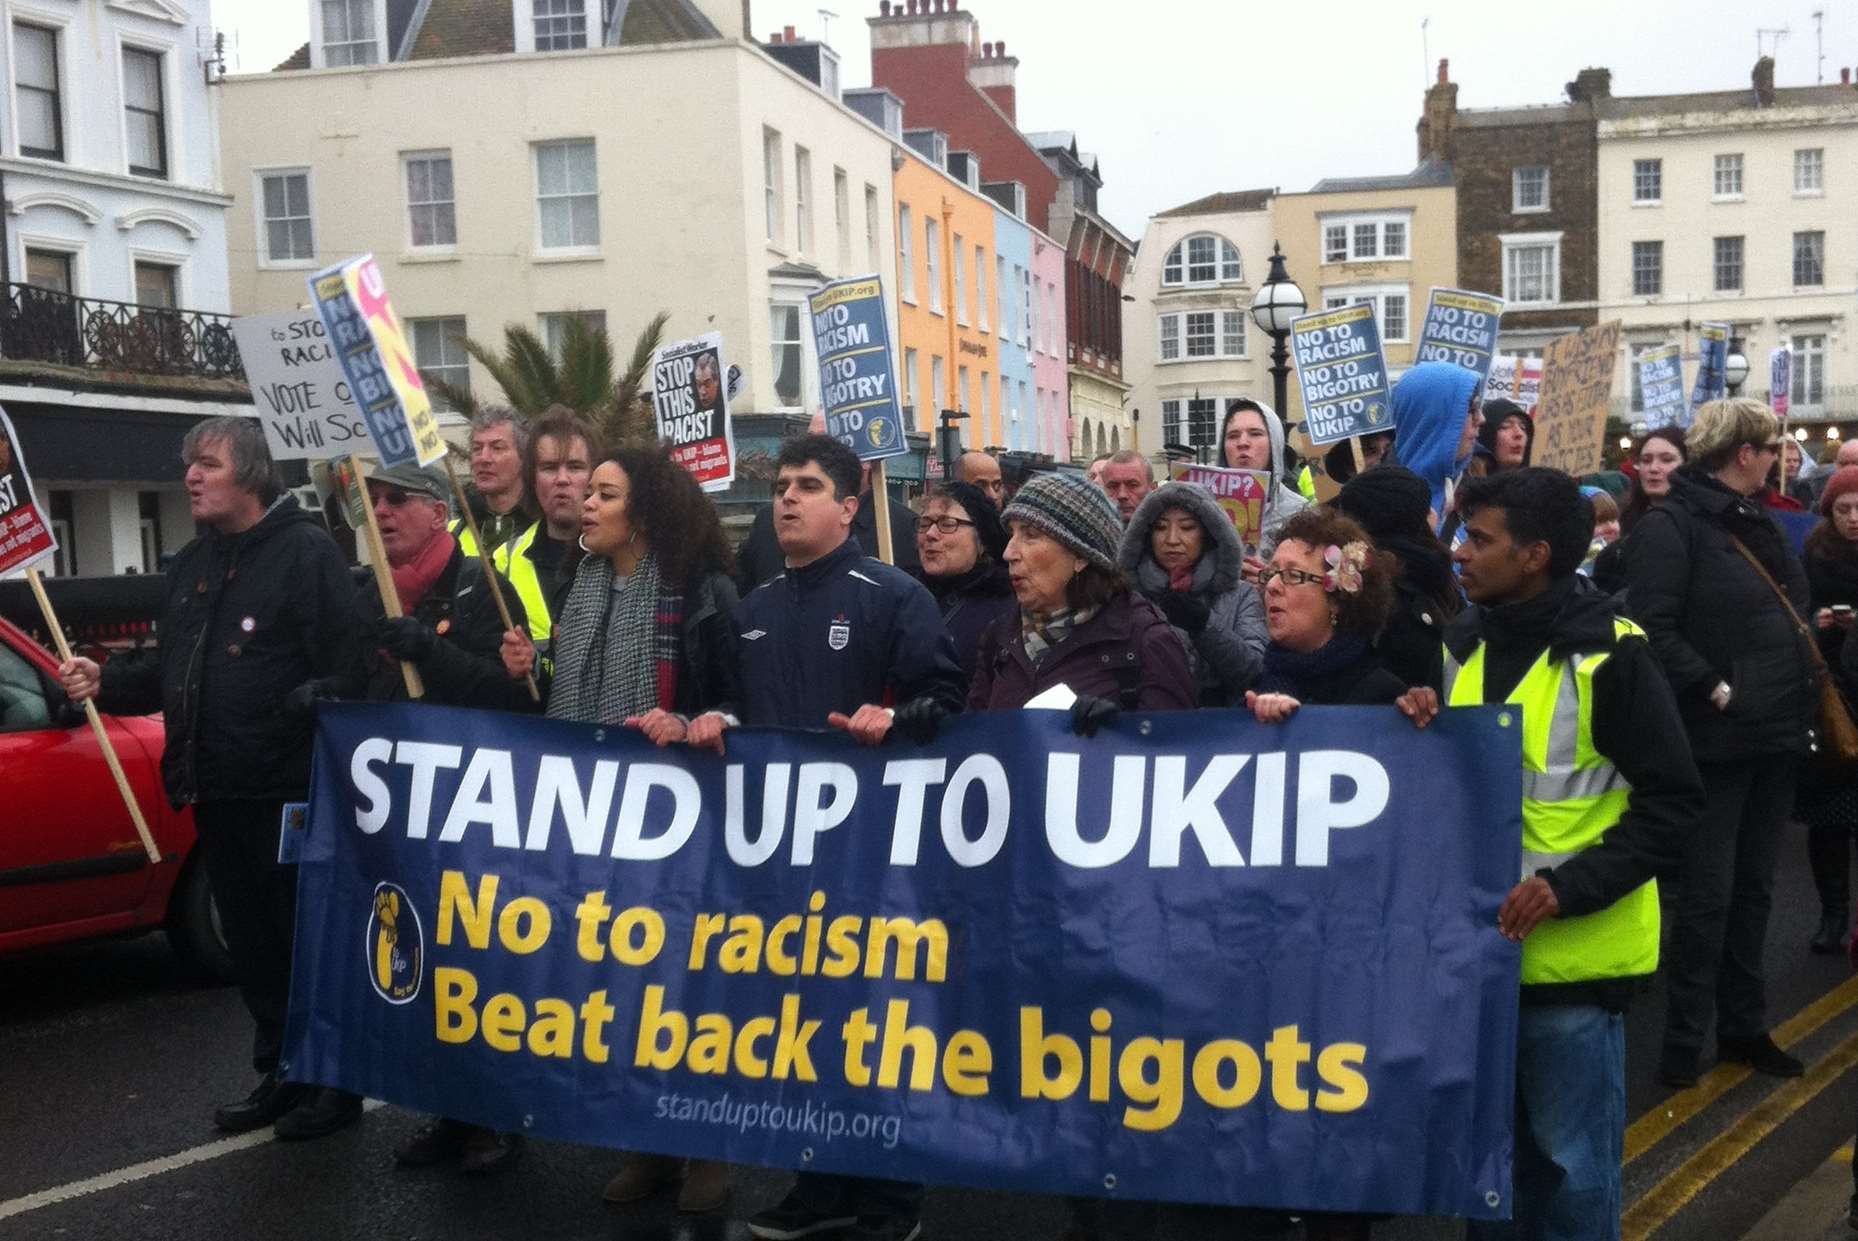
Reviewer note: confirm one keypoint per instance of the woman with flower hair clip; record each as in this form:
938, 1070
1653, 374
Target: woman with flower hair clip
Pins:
1326, 594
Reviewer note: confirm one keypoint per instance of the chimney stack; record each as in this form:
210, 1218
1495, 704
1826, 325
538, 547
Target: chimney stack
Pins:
1845, 77
1763, 78
1590, 85
1436, 117
883, 8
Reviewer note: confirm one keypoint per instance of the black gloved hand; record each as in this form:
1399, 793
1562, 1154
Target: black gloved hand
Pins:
300, 703
404, 637
1183, 609
919, 718
1089, 714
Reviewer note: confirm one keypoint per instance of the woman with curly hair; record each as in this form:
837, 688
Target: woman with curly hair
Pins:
644, 637
1326, 594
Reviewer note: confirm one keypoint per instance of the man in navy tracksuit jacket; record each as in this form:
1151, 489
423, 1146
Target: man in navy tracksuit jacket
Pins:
845, 641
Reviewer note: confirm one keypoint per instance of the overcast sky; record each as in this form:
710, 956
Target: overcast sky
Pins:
1182, 98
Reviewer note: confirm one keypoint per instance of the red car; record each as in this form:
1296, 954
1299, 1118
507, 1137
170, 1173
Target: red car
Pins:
71, 865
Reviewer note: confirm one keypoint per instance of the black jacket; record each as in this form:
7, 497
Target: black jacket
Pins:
707, 673
760, 559
969, 605
248, 618
836, 634
465, 666
1635, 725
1833, 577
1713, 619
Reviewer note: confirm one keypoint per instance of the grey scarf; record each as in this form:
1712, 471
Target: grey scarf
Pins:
605, 666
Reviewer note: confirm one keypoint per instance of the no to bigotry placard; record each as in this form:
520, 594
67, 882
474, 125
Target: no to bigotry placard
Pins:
298, 387
1712, 363
1461, 328
1342, 373
1661, 377
691, 401
857, 381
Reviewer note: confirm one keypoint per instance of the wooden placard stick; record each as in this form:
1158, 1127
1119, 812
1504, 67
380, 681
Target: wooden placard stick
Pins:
383, 575
490, 568
880, 499
96, 721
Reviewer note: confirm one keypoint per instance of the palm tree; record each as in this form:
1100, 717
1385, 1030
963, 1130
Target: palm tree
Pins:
582, 378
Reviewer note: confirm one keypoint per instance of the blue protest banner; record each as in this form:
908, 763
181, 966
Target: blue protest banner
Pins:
1341, 372
1461, 328
1712, 363
1661, 379
857, 381
1193, 958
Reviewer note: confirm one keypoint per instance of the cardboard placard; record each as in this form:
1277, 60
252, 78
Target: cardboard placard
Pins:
299, 390
25, 535
1577, 387
691, 400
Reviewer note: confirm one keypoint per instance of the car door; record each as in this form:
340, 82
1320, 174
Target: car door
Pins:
68, 849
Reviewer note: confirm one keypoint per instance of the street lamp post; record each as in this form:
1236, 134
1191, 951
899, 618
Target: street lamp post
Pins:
1735, 371
1277, 302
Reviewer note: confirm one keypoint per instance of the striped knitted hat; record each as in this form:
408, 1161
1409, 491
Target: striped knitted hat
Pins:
1073, 510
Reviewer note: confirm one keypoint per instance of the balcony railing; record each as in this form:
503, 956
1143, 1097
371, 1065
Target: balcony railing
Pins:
44, 325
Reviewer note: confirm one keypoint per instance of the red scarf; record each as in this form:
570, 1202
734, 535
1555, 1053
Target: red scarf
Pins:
414, 579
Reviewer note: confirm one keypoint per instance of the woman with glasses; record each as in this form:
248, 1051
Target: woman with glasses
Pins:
1182, 552
963, 548
1706, 571
1327, 593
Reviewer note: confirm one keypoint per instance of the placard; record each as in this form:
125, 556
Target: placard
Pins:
1712, 363
1461, 328
691, 401
1661, 379
365, 333
1780, 381
26, 536
1515, 379
1342, 373
1241, 493
299, 390
857, 377
1577, 390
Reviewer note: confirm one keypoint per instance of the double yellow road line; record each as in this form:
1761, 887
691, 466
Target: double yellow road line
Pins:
1655, 1208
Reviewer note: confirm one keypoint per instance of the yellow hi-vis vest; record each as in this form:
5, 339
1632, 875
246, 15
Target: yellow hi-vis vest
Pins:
1571, 797
512, 560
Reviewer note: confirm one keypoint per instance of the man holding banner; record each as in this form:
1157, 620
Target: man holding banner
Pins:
1609, 794
258, 605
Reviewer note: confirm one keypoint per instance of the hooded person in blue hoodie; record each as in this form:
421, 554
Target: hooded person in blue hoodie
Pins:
1436, 418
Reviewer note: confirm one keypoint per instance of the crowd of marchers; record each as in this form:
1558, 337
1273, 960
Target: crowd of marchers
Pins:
1666, 645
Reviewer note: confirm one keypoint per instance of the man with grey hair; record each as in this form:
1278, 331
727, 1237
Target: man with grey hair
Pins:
499, 438
258, 604
1128, 480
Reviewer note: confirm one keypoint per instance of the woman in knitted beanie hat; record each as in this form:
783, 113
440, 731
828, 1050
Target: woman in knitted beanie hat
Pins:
1078, 624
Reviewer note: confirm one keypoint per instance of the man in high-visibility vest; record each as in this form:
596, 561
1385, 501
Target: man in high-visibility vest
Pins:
1609, 790
498, 437
563, 447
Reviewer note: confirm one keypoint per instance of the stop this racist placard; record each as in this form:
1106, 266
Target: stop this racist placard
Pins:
692, 403
25, 536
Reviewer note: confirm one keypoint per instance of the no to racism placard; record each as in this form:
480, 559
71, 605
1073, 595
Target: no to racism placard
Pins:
691, 400
1342, 373
25, 535
1241, 493
1461, 328
857, 379
352, 300
1661, 377
1577, 385
1190, 960
298, 387
1712, 363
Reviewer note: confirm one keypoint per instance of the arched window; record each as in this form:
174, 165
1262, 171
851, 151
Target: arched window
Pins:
1202, 259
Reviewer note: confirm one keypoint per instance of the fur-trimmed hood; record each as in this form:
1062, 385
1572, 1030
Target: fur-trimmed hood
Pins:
1225, 548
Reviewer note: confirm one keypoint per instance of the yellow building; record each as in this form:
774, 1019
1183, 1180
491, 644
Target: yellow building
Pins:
1385, 240
946, 260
